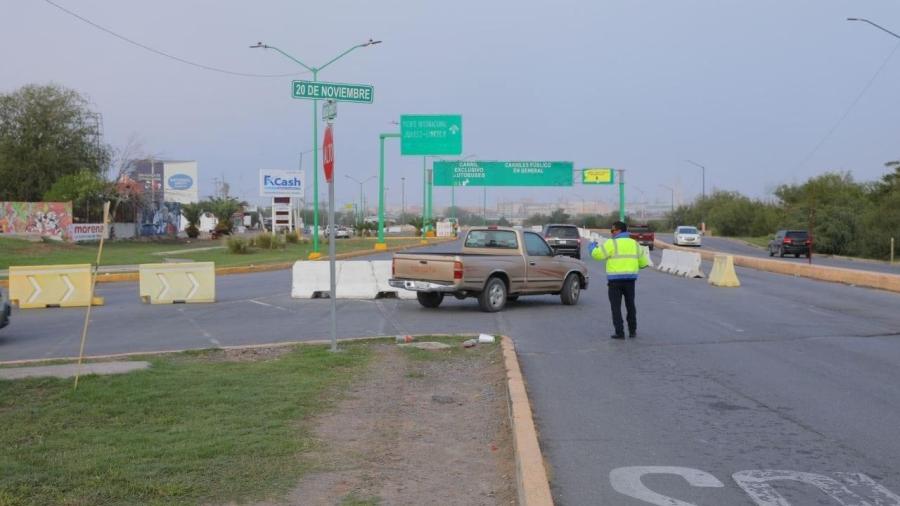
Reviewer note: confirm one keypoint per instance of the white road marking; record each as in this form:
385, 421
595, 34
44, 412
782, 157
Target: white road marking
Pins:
627, 481
874, 491
756, 484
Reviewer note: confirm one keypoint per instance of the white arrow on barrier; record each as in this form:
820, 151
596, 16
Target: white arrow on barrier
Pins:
69, 288
37, 289
165, 284
195, 286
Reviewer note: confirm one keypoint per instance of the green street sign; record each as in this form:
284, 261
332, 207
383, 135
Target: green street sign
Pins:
360, 93
431, 134
475, 173
597, 176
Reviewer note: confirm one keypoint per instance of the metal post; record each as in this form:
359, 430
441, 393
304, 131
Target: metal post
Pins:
453, 200
331, 264
484, 205
380, 244
424, 200
621, 194
892, 251
431, 192
315, 252
403, 197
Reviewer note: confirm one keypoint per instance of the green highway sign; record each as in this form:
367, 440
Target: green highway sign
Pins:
476, 173
360, 93
431, 134
597, 176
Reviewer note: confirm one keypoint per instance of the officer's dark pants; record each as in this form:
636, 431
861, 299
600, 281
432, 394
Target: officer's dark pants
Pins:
617, 289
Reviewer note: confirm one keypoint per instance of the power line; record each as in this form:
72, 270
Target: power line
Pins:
848, 110
163, 53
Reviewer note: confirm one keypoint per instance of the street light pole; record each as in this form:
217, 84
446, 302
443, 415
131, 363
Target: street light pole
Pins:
672, 190
315, 77
360, 183
876, 25
703, 176
402, 197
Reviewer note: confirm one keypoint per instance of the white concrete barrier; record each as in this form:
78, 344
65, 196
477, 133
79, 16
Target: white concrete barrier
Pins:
382, 270
356, 280
310, 280
689, 265
667, 263
649, 258
584, 233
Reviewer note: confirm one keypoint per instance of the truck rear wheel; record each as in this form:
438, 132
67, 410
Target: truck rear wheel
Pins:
430, 300
571, 290
493, 297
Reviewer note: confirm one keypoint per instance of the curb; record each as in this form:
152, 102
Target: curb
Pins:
247, 269
865, 279
531, 476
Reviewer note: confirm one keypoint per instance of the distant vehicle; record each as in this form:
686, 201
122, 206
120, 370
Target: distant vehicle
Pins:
5, 310
496, 265
687, 236
642, 234
342, 233
563, 239
787, 242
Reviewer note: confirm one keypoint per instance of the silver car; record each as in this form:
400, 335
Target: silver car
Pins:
687, 236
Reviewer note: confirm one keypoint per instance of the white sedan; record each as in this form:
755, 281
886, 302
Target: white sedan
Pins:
687, 236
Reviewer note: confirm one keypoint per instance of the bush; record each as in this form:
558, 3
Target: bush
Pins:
292, 237
266, 240
237, 245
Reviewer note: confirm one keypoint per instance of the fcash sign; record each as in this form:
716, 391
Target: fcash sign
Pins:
328, 154
280, 183
87, 232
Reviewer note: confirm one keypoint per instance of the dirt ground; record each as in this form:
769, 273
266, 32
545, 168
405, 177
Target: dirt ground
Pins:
416, 429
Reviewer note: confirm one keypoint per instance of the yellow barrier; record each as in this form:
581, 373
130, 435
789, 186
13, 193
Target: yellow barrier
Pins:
722, 273
177, 283
43, 286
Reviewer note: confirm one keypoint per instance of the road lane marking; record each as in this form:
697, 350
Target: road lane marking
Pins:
627, 481
756, 483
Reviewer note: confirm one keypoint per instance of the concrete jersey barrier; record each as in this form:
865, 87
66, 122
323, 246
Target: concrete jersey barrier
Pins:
177, 283
722, 273
42, 286
867, 279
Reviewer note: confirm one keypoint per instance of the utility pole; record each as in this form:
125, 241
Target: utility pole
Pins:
402, 196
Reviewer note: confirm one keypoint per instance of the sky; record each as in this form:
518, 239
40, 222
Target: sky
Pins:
761, 92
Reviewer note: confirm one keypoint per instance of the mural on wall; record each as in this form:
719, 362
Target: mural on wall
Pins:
160, 219
46, 219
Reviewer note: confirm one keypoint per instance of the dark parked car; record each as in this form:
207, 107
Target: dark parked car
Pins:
5, 310
563, 240
790, 242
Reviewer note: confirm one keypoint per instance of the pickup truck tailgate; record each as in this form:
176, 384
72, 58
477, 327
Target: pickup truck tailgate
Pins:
424, 267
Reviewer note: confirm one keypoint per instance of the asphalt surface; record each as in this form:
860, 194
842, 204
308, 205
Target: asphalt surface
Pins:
741, 392
737, 247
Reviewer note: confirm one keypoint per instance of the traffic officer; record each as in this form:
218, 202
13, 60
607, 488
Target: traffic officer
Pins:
624, 258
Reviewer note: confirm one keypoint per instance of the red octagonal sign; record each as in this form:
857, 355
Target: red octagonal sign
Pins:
328, 154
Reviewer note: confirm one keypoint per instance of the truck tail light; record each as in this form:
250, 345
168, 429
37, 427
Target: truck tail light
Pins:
393, 267
457, 270
787, 241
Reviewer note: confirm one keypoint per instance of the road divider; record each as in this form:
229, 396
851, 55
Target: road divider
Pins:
722, 273
359, 279
681, 263
177, 283
867, 279
44, 286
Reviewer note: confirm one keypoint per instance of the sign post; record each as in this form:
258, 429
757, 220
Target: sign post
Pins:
328, 168
380, 245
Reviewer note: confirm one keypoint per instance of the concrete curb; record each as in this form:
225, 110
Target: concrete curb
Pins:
246, 269
867, 279
531, 475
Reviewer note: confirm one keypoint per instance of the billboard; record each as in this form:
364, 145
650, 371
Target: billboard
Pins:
160, 219
46, 219
180, 182
280, 183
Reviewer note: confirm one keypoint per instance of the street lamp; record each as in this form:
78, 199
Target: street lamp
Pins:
402, 197
315, 73
360, 183
876, 25
703, 175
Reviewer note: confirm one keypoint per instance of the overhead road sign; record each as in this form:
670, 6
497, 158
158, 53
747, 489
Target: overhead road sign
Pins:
598, 176
479, 173
318, 90
430, 134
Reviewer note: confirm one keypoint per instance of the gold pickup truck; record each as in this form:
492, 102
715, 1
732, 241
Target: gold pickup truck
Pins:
495, 265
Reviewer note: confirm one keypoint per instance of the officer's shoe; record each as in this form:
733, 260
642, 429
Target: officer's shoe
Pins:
632, 334
617, 336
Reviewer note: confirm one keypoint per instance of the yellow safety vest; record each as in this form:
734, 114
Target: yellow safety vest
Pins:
624, 257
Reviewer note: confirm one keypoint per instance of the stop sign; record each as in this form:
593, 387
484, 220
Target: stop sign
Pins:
328, 154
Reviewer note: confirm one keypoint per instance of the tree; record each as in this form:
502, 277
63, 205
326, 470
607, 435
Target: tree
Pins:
224, 208
192, 213
46, 132
86, 190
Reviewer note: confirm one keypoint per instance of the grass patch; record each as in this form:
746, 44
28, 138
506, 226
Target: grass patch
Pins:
762, 241
22, 252
194, 428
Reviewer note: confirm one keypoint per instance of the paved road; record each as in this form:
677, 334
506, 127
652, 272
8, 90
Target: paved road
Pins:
737, 247
784, 378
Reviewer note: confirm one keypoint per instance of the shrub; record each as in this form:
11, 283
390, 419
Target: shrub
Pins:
266, 240
292, 237
237, 245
